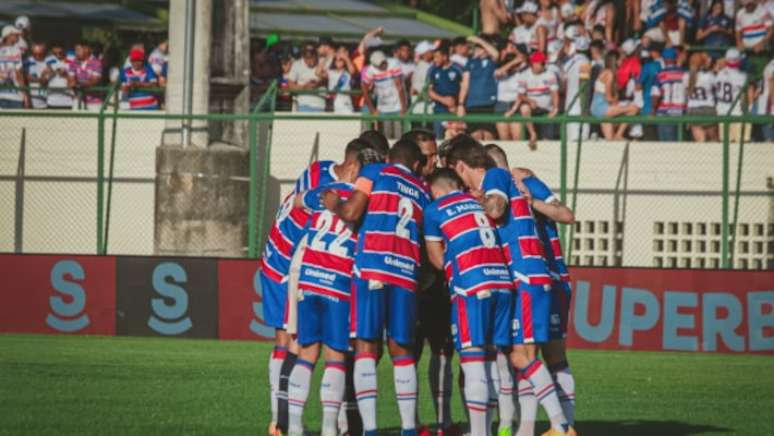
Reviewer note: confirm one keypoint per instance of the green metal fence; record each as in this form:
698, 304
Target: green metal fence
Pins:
572, 170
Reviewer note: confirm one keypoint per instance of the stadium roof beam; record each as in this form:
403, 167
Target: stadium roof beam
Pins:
105, 13
347, 19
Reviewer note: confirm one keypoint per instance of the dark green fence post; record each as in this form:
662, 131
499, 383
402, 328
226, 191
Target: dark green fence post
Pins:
563, 173
724, 218
100, 176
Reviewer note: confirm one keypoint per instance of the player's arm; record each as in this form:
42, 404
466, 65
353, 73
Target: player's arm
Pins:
464, 85
495, 205
435, 253
357, 203
555, 210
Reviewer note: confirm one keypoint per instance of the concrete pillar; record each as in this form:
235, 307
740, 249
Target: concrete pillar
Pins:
201, 66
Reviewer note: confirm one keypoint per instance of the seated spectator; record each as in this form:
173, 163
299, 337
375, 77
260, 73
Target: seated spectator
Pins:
669, 93
137, 77
443, 80
538, 96
12, 79
59, 95
478, 90
38, 74
605, 103
701, 98
303, 76
158, 61
386, 83
340, 79
753, 27
85, 73
715, 29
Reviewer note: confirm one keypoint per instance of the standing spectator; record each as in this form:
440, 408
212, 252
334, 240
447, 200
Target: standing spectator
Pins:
385, 81
549, 19
478, 91
701, 99
673, 17
12, 72
133, 79
730, 82
25, 27
766, 99
86, 72
538, 96
576, 68
444, 80
284, 99
529, 32
601, 13
303, 76
647, 79
424, 54
405, 60
326, 52
494, 13
627, 79
669, 93
158, 61
340, 79
508, 77
38, 74
605, 103
754, 28
460, 51
715, 29
59, 94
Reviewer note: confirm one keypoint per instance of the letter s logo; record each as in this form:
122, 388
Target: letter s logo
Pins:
164, 315
76, 293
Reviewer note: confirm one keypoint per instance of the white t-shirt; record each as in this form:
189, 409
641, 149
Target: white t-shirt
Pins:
302, 74
571, 69
419, 77
459, 60
508, 86
702, 95
37, 69
58, 94
406, 68
538, 87
157, 60
728, 84
10, 63
551, 24
753, 26
764, 108
387, 94
524, 35
340, 80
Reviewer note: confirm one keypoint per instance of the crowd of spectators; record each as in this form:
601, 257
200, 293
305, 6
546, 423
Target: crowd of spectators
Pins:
648, 57
37, 75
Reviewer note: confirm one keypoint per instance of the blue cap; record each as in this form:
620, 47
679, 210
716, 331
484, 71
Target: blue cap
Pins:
669, 53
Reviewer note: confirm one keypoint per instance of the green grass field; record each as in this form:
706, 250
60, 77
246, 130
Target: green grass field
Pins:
139, 386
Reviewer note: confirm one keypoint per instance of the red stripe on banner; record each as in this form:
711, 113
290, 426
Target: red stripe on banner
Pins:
526, 317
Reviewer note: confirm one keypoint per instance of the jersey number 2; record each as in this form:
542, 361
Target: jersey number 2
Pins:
405, 212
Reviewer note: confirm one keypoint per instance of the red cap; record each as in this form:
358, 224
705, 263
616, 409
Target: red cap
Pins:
136, 55
537, 57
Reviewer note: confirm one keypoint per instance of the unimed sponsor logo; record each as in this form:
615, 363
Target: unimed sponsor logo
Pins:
676, 310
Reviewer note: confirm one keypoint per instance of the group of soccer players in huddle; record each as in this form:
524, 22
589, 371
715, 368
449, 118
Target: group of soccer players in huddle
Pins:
411, 243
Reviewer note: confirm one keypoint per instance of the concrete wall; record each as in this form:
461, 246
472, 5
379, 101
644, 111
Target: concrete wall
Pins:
670, 187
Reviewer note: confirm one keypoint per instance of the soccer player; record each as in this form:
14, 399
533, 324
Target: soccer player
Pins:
548, 211
503, 202
285, 233
462, 241
323, 308
390, 200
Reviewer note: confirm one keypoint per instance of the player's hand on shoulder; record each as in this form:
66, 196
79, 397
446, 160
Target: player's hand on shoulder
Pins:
330, 200
520, 174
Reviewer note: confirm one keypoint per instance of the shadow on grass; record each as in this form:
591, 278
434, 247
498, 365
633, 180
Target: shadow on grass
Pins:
622, 428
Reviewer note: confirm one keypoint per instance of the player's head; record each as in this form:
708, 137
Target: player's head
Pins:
353, 160
407, 153
443, 152
498, 155
376, 140
443, 181
426, 142
466, 157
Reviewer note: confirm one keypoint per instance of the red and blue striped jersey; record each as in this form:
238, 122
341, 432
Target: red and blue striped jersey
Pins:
390, 235
473, 258
547, 230
330, 249
289, 223
139, 99
523, 251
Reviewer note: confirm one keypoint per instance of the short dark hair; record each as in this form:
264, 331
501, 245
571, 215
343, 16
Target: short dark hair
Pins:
419, 135
406, 152
354, 147
460, 40
376, 140
496, 153
466, 149
369, 156
403, 43
445, 175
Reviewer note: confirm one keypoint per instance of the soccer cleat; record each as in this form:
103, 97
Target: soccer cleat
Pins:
272, 428
452, 430
505, 431
552, 432
423, 430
